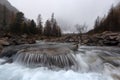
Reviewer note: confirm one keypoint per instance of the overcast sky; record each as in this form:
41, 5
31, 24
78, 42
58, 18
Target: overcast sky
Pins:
67, 12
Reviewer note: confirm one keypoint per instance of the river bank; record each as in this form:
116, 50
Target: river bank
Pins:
100, 39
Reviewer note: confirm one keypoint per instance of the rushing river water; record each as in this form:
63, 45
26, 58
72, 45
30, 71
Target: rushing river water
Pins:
95, 63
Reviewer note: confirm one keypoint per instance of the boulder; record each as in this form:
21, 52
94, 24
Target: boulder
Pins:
104, 39
46, 57
12, 50
1, 47
49, 55
4, 42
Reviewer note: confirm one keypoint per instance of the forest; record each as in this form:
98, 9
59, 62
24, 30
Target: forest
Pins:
16, 23
111, 22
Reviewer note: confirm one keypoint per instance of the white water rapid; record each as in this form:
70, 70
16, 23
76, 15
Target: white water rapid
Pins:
95, 63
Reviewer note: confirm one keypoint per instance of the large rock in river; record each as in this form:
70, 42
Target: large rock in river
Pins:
43, 55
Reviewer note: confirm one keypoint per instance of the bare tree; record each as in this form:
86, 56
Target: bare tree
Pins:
81, 29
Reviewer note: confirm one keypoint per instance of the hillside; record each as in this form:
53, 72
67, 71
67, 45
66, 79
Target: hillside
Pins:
111, 22
8, 5
7, 12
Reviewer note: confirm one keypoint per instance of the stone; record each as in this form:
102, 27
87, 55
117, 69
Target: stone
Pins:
12, 50
104, 39
24, 36
1, 48
4, 42
48, 55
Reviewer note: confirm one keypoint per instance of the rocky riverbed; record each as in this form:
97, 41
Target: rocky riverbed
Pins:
103, 39
100, 39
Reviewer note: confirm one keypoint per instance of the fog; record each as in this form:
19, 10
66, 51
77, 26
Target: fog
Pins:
67, 12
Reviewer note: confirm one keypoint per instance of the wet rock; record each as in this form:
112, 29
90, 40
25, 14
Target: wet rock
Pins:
24, 36
8, 61
19, 41
111, 43
12, 50
48, 55
104, 39
4, 42
116, 76
1, 48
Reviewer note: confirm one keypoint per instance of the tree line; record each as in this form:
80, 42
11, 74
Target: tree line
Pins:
111, 22
18, 24
21, 25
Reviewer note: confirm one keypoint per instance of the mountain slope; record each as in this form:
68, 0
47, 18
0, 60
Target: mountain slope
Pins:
8, 5
7, 12
111, 22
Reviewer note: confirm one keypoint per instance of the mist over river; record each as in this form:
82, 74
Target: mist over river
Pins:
94, 63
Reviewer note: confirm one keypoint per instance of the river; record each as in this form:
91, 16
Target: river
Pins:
95, 63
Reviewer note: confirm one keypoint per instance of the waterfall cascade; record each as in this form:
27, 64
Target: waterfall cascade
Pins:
46, 57
42, 55
40, 61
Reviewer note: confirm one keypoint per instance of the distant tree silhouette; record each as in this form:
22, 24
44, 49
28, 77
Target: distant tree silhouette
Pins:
56, 31
97, 22
39, 25
52, 20
32, 27
47, 28
51, 28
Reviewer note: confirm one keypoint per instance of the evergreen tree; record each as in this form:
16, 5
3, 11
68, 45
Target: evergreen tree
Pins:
109, 23
56, 31
16, 25
52, 28
25, 28
52, 20
97, 22
32, 27
39, 25
47, 28
59, 32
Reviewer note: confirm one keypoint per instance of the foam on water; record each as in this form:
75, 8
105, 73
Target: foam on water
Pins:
91, 67
18, 72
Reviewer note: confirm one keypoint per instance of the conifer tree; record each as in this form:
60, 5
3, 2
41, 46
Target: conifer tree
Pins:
47, 28
39, 25
16, 25
32, 27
